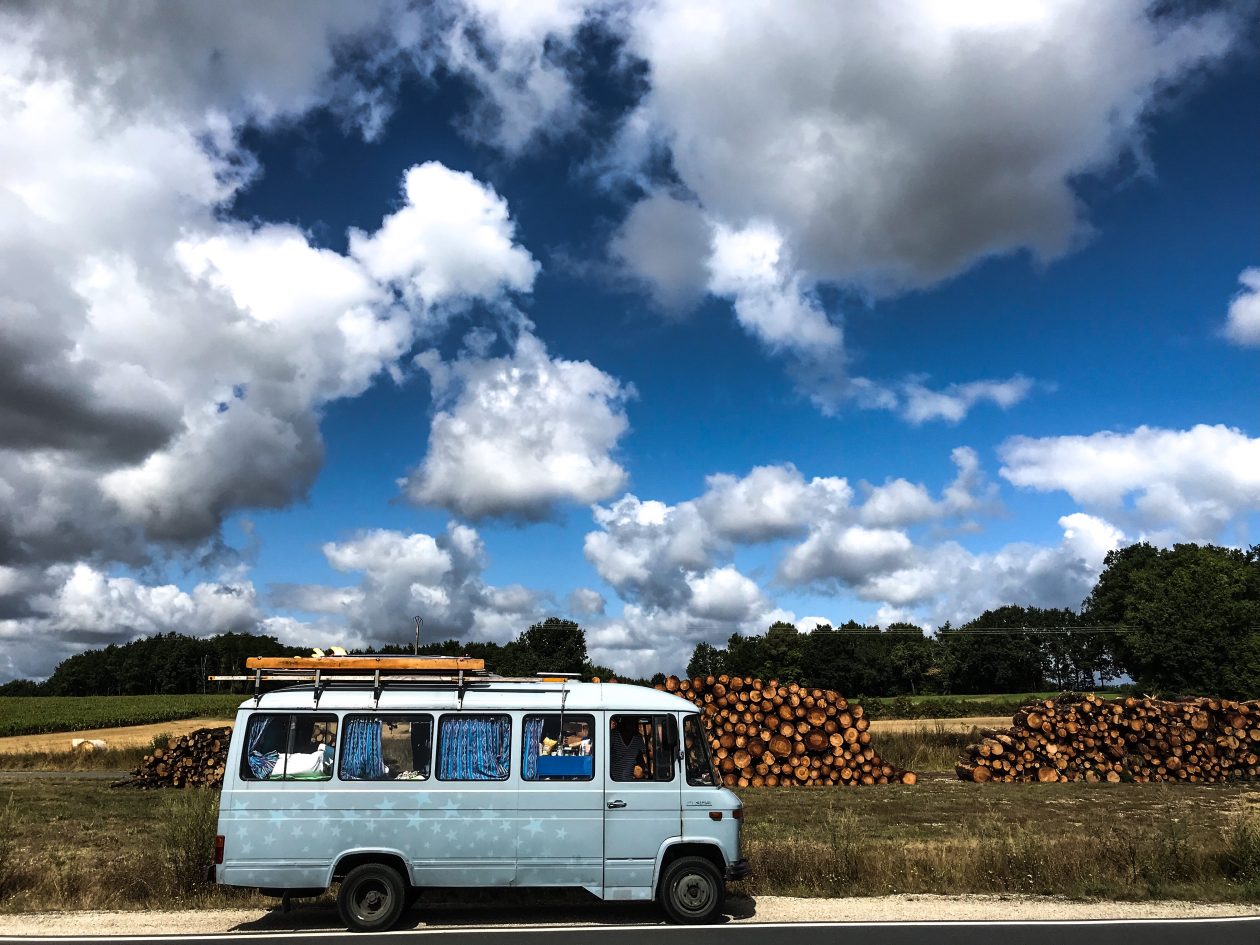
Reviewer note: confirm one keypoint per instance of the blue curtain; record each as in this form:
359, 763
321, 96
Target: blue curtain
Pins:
529, 747
361, 750
474, 748
261, 764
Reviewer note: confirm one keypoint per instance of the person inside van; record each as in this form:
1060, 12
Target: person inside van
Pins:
578, 741
627, 745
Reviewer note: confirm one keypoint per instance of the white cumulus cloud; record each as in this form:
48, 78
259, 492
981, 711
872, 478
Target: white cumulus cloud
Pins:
1242, 325
162, 365
69, 607
518, 435
438, 578
664, 242
751, 266
896, 164
953, 402
452, 239
1194, 482
822, 153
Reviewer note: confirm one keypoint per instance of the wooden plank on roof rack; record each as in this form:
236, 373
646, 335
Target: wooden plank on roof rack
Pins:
422, 664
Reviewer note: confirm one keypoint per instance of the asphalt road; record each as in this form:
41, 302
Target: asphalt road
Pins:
1244, 931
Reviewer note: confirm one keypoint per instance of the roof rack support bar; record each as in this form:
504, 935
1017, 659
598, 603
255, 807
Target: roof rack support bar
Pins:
376, 683
257, 687
319, 687
461, 690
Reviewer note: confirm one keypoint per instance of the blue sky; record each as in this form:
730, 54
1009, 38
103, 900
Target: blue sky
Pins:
671, 320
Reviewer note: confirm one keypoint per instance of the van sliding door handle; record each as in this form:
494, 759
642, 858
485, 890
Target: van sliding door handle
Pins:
616, 805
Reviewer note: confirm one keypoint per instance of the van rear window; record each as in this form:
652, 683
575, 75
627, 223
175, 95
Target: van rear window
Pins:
386, 748
289, 747
474, 747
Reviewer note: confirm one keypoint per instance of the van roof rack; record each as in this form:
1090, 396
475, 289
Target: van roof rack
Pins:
443, 672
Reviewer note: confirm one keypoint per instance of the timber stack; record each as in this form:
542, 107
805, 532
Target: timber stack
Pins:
772, 734
1080, 737
197, 759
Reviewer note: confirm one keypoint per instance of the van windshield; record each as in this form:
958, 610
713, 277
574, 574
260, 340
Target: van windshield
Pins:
700, 768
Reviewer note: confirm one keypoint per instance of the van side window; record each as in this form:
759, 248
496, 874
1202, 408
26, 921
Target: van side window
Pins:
474, 747
289, 747
700, 769
641, 747
386, 748
558, 748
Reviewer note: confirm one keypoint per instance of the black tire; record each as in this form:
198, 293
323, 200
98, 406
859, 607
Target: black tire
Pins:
692, 890
372, 898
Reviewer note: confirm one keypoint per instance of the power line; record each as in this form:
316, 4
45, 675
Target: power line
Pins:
953, 631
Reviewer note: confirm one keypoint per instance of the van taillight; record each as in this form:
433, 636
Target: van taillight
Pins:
715, 815
738, 813
218, 850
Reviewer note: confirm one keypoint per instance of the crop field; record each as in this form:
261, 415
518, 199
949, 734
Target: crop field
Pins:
951, 707
20, 715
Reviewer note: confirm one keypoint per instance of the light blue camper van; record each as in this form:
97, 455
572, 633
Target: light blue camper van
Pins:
390, 786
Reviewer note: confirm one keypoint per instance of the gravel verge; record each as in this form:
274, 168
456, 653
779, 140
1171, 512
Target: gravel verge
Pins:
740, 909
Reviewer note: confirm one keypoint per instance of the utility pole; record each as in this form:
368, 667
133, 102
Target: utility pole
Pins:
418, 621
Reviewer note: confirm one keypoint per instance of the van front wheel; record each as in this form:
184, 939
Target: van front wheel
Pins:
372, 898
692, 890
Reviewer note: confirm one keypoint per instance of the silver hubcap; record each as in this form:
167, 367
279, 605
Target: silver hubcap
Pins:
694, 892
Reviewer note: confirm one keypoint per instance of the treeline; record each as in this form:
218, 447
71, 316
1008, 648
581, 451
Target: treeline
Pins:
163, 664
1177, 621
554, 645
1011, 649
171, 663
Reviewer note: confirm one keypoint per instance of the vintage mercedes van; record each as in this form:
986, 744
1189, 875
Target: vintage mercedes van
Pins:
389, 784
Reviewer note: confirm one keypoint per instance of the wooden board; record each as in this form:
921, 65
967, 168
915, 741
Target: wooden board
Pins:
423, 664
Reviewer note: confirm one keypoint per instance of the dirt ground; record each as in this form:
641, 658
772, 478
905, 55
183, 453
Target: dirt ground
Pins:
131, 736
739, 909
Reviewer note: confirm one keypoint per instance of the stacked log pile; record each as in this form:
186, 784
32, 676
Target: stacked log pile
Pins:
195, 759
768, 734
1079, 737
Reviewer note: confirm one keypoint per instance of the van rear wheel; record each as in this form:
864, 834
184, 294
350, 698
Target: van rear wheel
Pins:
692, 890
372, 898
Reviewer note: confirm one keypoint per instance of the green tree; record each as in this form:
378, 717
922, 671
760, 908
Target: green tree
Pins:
554, 645
997, 652
1190, 616
20, 687
912, 657
776, 655
707, 660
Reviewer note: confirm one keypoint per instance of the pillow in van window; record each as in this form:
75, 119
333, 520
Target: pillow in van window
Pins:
309, 764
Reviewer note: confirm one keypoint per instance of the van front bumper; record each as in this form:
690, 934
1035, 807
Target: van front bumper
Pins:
737, 870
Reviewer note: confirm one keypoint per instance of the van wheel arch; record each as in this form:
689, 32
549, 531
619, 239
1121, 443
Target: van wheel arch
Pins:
351, 860
709, 851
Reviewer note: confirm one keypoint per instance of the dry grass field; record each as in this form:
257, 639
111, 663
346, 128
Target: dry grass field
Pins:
116, 737
1117, 841
78, 844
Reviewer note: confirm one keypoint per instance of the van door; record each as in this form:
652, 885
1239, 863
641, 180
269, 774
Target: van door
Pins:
560, 824
642, 799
